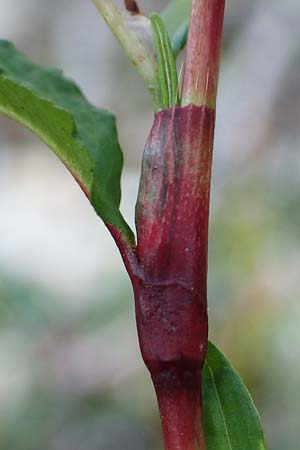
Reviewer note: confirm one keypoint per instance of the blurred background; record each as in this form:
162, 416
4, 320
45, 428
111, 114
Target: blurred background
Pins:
71, 376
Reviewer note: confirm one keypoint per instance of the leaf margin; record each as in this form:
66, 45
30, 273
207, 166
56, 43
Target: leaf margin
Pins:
82, 161
213, 430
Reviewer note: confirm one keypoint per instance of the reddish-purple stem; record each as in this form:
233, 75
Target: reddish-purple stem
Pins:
168, 266
172, 217
200, 80
172, 225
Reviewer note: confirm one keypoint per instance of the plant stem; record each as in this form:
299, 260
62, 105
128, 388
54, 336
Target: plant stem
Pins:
139, 56
172, 217
168, 266
179, 397
171, 309
200, 80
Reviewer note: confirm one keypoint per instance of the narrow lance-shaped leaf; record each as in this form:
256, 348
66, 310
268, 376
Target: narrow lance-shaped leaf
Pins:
231, 420
168, 91
176, 17
82, 136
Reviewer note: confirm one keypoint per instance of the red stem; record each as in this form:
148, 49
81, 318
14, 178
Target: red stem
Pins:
168, 267
200, 80
178, 391
172, 224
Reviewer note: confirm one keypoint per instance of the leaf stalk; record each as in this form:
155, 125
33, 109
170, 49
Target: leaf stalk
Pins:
140, 57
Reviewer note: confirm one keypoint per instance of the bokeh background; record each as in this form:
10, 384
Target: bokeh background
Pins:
71, 376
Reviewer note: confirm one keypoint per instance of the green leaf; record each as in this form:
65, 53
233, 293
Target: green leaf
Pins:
176, 17
82, 136
231, 421
168, 92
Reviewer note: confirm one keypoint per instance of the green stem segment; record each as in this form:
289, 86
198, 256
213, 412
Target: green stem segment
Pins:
139, 56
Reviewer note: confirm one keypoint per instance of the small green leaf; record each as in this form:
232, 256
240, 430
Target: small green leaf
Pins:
176, 17
82, 136
231, 421
168, 93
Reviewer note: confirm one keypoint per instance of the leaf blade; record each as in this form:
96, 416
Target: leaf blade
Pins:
81, 135
231, 421
168, 92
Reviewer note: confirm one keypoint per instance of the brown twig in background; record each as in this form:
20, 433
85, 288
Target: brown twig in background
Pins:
132, 6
